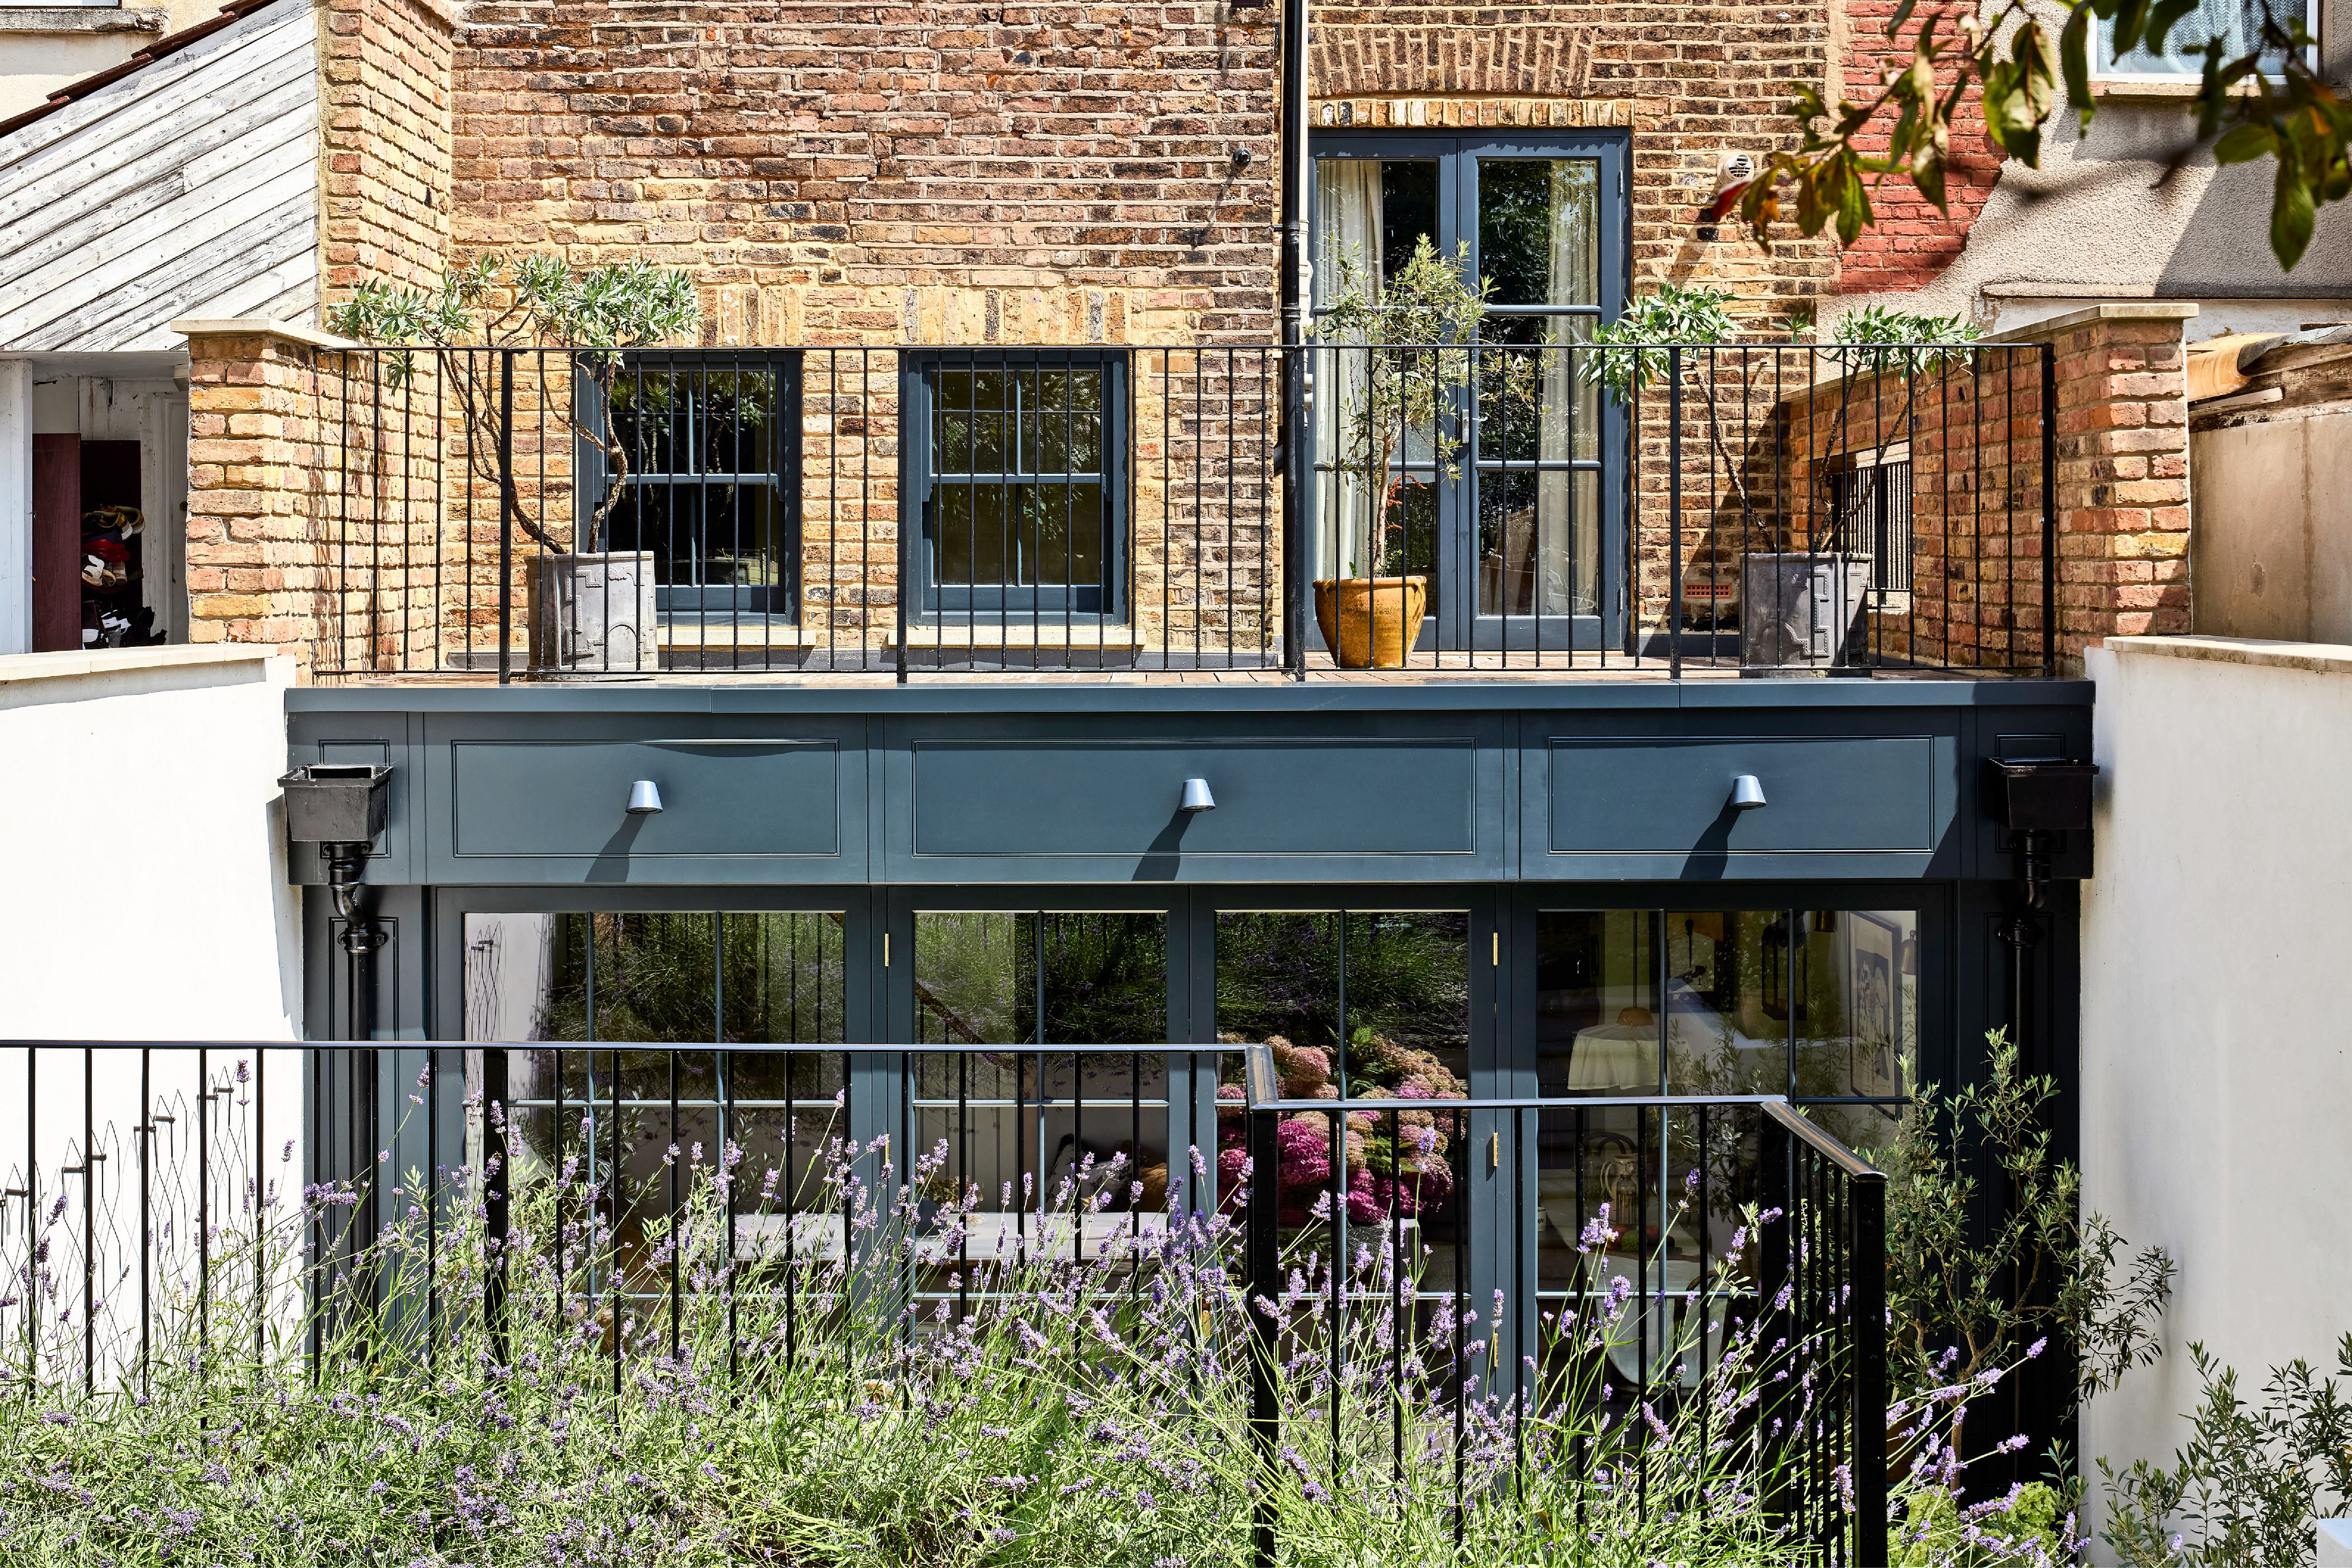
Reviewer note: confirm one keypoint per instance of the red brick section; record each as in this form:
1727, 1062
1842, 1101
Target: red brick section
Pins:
385, 142
1911, 242
1974, 438
2123, 474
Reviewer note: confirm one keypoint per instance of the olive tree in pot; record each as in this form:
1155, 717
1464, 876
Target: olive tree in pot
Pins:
1402, 353
589, 609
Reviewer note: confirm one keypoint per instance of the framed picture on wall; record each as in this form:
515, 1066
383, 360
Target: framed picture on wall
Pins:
1874, 992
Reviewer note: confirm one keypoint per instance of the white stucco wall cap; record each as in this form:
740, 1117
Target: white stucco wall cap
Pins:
259, 326
2318, 657
2114, 310
2335, 1543
19, 668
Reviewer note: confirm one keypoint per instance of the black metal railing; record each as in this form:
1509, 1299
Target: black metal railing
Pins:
1813, 1289
1709, 1244
553, 513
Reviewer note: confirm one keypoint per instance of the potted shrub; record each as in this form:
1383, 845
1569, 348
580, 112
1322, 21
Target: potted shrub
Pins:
1401, 351
1800, 602
589, 611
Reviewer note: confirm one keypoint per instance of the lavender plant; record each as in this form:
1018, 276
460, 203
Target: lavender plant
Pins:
853, 1373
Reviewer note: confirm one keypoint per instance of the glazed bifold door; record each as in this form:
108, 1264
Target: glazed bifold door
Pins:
1821, 1005
1033, 1138
1363, 1006
623, 1121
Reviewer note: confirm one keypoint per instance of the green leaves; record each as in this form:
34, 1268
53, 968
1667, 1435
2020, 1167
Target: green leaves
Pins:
2267, 101
2074, 55
1956, 1284
1401, 375
2247, 1485
2020, 91
2293, 212
1633, 357
535, 300
2244, 143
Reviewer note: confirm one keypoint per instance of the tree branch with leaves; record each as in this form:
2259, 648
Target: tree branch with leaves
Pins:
533, 301
1963, 1300
2268, 101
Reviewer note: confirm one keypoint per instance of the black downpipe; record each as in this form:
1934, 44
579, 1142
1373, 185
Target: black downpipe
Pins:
1295, 475
361, 940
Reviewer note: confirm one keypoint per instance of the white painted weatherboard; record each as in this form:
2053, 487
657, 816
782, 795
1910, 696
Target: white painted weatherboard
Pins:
189, 187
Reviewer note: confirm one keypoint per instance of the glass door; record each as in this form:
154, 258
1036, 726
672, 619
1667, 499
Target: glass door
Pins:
1493, 483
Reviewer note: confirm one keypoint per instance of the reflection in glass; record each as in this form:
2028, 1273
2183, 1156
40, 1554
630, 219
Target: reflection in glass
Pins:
717, 547
589, 985
1370, 213
1816, 1003
704, 464
1857, 1001
693, 420
1540, 231
1727, 1002
1539, 244
1596, 1018
1018, 1133
1366, 1006
1018, 470
1539, 543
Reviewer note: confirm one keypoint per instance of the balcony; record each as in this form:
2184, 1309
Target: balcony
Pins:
1096, 512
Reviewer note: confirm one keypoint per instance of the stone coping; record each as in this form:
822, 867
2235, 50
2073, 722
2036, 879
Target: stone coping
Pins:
2318, 657
2114, 310
259, 326
83, 18
28, 666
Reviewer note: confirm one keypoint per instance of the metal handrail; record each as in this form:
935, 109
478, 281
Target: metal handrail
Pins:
1259, 1077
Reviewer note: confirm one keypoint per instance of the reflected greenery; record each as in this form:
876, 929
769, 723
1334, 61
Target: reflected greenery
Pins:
1000, 977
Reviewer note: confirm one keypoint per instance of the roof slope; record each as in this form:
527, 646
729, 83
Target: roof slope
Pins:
170, 43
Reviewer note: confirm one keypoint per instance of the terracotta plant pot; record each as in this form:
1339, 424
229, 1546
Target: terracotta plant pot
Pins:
1369, 623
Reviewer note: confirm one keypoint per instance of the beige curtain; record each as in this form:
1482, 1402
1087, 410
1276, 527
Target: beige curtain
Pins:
1348, 222
1565, 577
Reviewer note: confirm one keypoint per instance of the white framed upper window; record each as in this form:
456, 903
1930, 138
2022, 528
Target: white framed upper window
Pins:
2237, 23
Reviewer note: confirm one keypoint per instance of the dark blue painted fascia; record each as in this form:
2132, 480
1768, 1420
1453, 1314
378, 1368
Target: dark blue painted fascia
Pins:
1511, 727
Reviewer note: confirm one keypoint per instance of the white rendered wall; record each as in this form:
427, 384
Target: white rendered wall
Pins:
2217, 961
142, 878
142, 896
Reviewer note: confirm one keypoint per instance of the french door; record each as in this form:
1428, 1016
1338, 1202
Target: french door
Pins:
1500, 482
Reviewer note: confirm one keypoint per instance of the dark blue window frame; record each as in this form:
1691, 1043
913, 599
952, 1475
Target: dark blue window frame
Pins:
685, 552
936, 593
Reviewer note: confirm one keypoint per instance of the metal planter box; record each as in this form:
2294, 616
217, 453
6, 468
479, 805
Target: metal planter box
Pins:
2040, 795
335, 803
1802, 614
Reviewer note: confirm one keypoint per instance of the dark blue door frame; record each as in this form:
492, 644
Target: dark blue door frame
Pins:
1453, 601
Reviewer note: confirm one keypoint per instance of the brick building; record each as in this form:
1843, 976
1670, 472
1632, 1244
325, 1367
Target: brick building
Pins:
985, 384
1094, 180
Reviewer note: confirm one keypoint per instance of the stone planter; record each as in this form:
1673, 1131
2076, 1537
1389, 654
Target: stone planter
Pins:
592, 615
1801, 615
1369, 623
